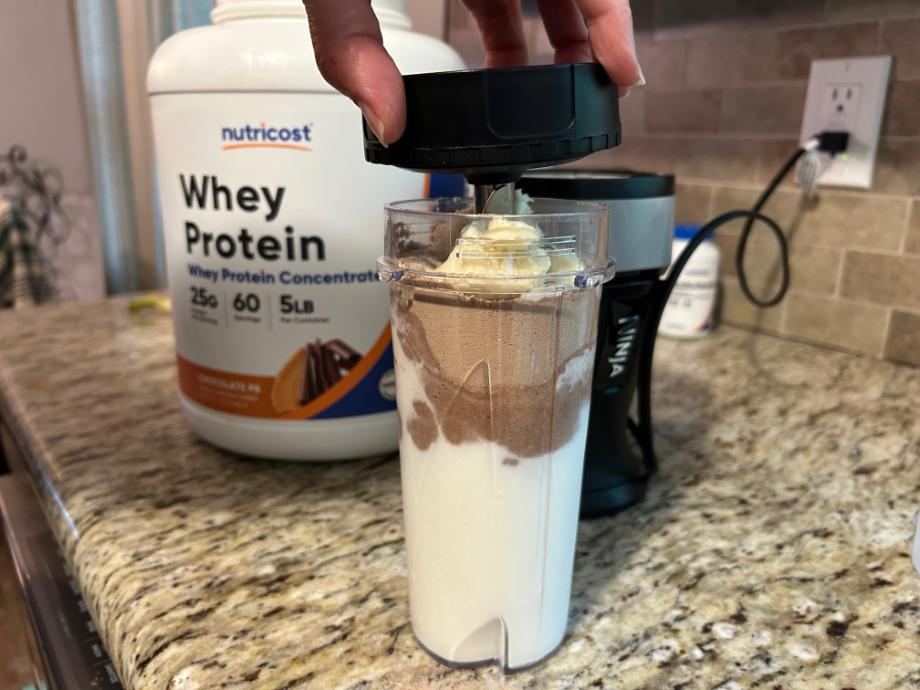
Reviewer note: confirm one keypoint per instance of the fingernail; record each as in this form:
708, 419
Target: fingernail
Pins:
641, 80
374, 122
625, 91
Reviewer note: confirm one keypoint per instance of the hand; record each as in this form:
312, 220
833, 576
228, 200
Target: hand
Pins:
350, 54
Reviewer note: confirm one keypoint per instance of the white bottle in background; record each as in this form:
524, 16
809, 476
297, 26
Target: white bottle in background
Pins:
690, 311
273, 222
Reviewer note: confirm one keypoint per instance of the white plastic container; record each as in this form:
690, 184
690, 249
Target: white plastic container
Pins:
690, 311
272, 225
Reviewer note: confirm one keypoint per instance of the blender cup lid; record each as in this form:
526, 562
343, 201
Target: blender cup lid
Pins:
493, 124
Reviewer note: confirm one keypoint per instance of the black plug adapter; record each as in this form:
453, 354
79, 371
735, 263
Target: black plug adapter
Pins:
833, 142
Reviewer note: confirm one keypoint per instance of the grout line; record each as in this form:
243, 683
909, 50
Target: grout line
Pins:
858, 302
766, 83
833, 192
838, 281
905, 230
720, 111
711, 203
756, 136
891, 253
863, 193
684, 135
736, 85
783, 316
888, 318
743, 25
811, 294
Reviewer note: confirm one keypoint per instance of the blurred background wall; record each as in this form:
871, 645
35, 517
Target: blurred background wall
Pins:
73, 76
43, 110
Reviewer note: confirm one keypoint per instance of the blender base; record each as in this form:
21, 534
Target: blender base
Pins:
613, 499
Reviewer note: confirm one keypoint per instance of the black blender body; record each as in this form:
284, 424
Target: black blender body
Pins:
620, 455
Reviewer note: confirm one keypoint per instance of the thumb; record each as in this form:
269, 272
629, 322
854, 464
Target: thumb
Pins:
351, 57
610, 32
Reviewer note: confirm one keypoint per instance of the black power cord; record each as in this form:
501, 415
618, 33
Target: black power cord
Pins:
828, 142
780, 240
831, 142
643, 429
710, 227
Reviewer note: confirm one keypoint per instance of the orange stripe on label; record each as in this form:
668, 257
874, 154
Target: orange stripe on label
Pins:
226, 391
251, 396
349, 381
293, 147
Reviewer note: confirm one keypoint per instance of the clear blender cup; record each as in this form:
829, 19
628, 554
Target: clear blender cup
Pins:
494, 331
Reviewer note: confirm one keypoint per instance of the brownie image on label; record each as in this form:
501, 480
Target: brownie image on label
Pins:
310, 372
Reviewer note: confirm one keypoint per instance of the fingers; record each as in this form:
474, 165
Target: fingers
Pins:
566, 30
610, 33
350, 55
502, 29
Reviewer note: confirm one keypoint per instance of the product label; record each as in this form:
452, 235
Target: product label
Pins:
273, 223
689, 310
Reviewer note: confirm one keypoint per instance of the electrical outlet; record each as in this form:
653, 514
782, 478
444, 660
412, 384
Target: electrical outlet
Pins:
840, 109
847, 95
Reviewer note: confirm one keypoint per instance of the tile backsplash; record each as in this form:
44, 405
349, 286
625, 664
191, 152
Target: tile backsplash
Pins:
722, 110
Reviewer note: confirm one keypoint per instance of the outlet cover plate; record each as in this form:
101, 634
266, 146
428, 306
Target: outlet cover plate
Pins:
847, 94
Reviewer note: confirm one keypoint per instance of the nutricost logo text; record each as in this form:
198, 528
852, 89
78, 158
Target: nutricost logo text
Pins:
264, 133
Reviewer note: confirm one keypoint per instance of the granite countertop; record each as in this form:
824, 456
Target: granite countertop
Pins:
773, 549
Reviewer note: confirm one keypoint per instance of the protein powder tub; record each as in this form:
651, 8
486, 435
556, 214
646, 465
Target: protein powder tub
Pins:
690, 311
272, 224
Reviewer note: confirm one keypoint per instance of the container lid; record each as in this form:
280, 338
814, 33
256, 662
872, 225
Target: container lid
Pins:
493, 124
687, 232
596, 185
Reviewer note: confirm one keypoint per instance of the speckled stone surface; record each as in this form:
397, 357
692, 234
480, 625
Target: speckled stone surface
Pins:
771, 552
